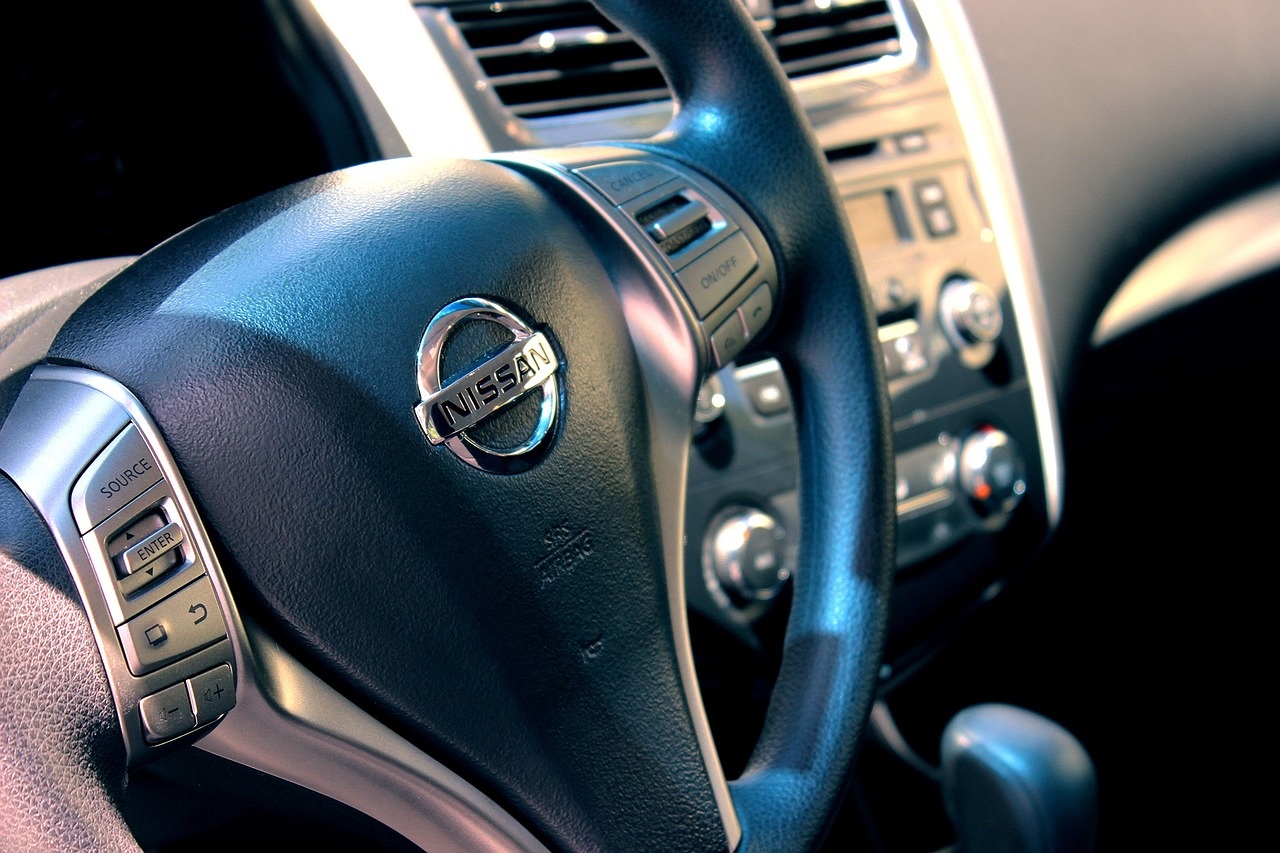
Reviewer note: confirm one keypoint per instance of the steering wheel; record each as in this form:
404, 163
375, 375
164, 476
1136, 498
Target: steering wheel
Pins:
503, 594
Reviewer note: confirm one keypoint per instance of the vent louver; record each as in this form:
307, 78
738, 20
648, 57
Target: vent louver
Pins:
557, 57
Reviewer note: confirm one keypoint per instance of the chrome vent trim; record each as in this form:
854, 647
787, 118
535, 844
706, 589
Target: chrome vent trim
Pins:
546, 58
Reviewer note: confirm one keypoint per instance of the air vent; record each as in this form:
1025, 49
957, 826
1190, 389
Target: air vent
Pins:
558, 57
811, 36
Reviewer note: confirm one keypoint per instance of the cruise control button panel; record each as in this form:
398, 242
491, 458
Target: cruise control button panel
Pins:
717, 256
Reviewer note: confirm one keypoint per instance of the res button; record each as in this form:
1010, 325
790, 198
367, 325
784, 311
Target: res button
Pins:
756, 310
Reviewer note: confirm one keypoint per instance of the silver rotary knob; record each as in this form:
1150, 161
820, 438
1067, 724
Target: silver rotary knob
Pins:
711, 400
992, 471
745, 552
971, 313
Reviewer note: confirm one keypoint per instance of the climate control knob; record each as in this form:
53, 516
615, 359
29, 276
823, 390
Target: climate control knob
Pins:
971, 312
746, 554
991, 471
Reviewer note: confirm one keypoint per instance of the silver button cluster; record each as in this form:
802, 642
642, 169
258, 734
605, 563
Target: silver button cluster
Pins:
720, 262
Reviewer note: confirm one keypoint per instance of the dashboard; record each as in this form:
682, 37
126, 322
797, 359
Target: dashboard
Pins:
1065, 220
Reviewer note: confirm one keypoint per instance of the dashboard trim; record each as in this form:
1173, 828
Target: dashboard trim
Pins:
406, 83
961, 65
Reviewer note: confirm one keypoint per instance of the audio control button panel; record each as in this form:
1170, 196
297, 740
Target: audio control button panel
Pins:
127, 528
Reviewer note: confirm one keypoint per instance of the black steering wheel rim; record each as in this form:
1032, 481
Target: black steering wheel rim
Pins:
738, 122
730, 94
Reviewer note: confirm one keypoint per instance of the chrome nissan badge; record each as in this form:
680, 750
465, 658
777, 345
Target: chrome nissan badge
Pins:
452, 409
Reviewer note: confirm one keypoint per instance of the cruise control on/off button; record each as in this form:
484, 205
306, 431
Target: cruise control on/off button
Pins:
713, 275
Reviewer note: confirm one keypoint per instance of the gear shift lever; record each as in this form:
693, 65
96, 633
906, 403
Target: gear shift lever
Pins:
1015, 781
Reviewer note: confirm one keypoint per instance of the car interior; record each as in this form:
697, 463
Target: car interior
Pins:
854, 468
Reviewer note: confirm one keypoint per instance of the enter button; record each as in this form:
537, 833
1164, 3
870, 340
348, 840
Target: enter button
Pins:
712, 276
155, 545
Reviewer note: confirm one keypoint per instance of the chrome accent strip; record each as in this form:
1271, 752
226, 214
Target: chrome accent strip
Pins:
957, 54
764, 367
928, 500
287, 721
897, 330
398, 72
1225, 247
671, 367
